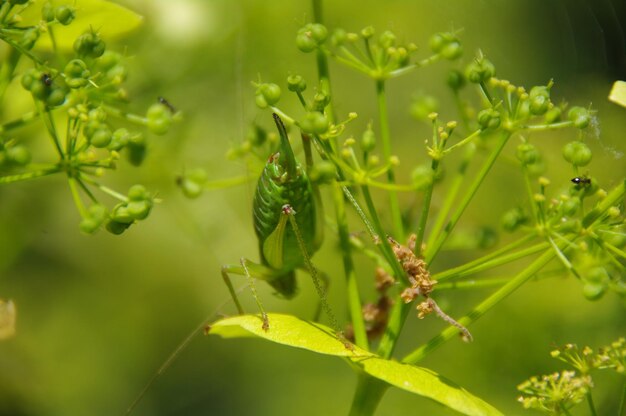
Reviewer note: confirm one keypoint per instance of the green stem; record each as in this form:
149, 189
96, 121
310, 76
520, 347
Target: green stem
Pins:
490, 261
23, 120
48, 121
133, 118
8, 67
30, 175
396, 215
547, 127
397, 317
622, 402
428, 194
592, 407
433, 250
385, 247
482, 308
473, 284
613, 198
369, 392
20, 49
76, 196
451, 194
354, 300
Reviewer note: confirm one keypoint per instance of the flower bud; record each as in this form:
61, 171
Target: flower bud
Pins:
579, 116
480, 70
489, 119
527, 154
577, 153
314, 122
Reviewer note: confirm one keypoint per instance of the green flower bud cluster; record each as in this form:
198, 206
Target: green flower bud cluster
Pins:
44, 87
159, 118
295, 83
577, 153
311, 36
480, 70
385, 57
446, 44
192, 182
527, 154
63, 14
314, 122
14, 155
89, 45
323, 171
489, 119
423, 105
513, 219
267, 94
125, 214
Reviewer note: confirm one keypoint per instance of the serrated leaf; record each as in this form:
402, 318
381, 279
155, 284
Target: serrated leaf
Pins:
618, 93
108, 19
294, 332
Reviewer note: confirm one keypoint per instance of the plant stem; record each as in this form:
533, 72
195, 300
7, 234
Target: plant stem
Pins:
354, 299
428, 194
398, 315
452, 193
396, 215
432, 251
490, 261
622, 403
592, 407
30, 175
419, 353
369, 392
8, 67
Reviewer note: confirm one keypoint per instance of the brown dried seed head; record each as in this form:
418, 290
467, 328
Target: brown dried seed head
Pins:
383, 280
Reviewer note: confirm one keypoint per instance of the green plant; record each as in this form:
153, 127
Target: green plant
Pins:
580, 226
557, 394
78, 101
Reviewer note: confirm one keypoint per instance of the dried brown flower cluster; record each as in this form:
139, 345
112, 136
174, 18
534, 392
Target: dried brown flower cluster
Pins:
421, 283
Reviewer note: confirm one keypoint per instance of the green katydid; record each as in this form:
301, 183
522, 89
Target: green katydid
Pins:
287, 221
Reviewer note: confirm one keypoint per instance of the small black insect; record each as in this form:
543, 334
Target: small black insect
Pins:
46, 79
167, 104
581, 181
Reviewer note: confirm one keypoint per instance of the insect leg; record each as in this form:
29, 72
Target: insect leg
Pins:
325, 281
244, 264
251, 271
315, 275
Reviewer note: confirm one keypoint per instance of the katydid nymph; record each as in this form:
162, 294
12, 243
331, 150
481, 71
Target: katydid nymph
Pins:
287, 221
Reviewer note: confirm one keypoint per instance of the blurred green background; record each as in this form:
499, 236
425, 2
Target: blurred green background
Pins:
97, 315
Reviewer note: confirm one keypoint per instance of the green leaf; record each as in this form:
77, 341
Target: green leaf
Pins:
294, 332
427, 383
287, 330
108, 19
618, 93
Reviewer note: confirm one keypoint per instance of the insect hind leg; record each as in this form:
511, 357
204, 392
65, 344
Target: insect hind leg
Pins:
243, 268
315, 274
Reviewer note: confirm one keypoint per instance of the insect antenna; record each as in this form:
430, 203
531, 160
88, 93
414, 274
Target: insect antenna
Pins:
174, 355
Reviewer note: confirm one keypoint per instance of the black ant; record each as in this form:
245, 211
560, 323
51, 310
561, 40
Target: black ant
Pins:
581, 181
167, 104
46, 79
